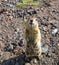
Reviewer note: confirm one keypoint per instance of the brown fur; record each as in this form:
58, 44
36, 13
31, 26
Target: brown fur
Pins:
33, 39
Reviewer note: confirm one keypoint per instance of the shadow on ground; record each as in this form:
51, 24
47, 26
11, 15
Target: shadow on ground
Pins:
19, 60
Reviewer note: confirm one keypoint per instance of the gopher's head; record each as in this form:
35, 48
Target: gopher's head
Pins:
32, 22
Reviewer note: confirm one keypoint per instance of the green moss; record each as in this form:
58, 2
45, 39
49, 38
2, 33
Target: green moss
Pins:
34, 3
25, 2
20, 4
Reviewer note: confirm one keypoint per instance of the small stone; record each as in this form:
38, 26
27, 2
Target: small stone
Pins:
9, 47
54, 31
1, 53
1, 61
48, 41
45, 18
0, 4
27, 64
35, 61
58, 44
5, 0
17, 29
46, 3
1, 11
44, 48
6, 55
21, 43
48, 54
17, 50
10, 17
10, 5
1, 44
20, 13
45, 30
31, 12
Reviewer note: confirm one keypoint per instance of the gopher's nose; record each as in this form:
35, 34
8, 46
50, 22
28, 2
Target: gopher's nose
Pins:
31, 21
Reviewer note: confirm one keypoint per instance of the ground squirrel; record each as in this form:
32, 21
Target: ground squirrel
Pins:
33, 37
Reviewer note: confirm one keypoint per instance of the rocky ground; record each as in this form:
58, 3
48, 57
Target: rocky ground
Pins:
12, 43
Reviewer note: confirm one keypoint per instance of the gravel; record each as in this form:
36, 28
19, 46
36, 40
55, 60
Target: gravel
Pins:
12, 43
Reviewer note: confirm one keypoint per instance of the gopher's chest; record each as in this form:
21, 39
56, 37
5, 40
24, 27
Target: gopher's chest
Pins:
32, 35
32, 38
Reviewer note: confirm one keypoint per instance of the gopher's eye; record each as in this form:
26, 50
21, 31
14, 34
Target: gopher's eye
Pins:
36, 19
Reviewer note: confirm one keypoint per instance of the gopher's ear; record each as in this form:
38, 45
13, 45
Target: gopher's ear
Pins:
26, 19
23, 20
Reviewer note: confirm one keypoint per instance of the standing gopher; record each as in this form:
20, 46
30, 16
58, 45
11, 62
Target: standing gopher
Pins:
33, 38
